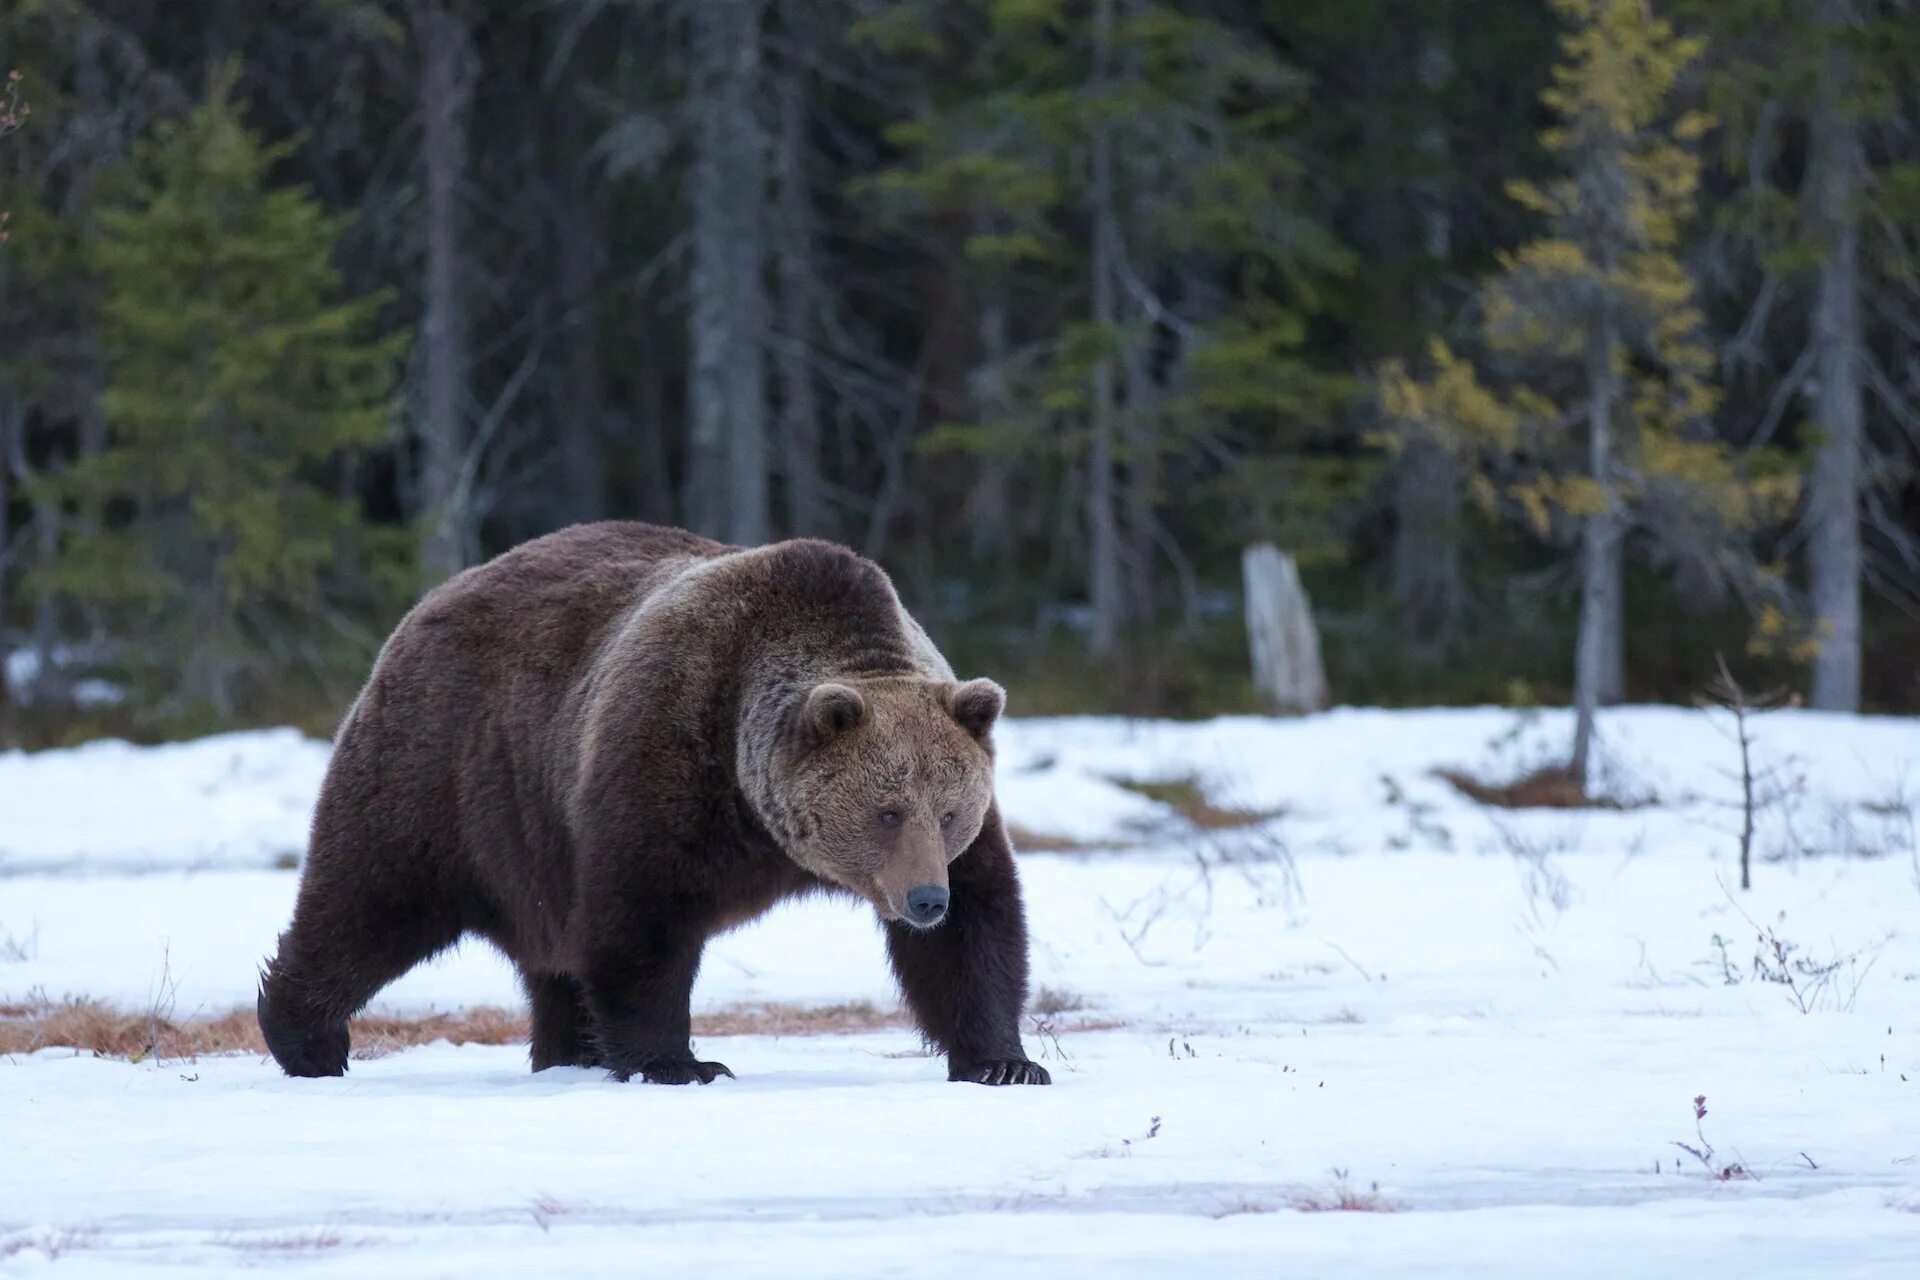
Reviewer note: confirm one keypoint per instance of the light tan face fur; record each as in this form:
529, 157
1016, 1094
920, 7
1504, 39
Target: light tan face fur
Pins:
888, 781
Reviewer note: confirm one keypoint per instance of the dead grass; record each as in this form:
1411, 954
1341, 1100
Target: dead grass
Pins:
1343, 1199
51, 1243
776, 1019
1048, 1001
291, 1242
1029, 841
107, 1031
1549, 787
1188, 798
1340, 1199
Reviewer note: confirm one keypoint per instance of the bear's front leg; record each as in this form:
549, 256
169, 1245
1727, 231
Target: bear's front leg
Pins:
965, 979
638, 979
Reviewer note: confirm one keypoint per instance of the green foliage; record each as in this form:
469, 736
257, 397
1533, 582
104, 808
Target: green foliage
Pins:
211, 525
1204, 121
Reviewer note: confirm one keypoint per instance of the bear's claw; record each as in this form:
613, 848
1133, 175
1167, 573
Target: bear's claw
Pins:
687, 1071
1001, 1071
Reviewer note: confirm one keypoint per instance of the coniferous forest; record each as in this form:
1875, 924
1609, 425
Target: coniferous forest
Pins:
1567, 346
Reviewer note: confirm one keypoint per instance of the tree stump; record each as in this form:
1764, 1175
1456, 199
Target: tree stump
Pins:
1280, 633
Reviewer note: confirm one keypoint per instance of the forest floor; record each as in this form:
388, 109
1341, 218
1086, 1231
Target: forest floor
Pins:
1309, 1009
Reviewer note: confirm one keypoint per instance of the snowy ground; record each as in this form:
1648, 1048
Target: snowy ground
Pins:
1491, 1023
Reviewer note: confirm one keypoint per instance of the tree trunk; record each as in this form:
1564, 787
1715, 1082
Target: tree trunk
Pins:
1598, 644
580, 415
1281, 636
446, 91
1833, 499
1143, 454
1428, 581
989, 503
799, 309
1103, 524
728, 466
9, 424
1427, 576
49, 687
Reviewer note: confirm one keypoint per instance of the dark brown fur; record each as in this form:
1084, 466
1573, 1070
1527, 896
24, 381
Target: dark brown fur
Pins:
606, 746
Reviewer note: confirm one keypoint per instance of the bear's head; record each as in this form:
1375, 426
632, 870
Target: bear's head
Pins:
883, 782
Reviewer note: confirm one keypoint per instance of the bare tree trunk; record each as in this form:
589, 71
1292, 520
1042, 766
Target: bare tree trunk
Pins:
1143, 456
1281, 635
989, 504
1427, 575
1600, 553
1104, 530
728, 471
49, 686
447, 73
1833, 500
799, 310
1428, 580
580, 416
9, 425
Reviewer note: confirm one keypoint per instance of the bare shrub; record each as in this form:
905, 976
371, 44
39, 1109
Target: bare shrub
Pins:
51, 1243
1703, 1152
1809, 983
18, 950
1761, 788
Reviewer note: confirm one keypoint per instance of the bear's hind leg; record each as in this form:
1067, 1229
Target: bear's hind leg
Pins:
344, 945
561, 1026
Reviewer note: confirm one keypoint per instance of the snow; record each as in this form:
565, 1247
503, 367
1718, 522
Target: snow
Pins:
22, 668
1491, 1022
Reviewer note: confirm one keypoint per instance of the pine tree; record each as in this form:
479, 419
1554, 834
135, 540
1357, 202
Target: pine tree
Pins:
237, 385
1595, 415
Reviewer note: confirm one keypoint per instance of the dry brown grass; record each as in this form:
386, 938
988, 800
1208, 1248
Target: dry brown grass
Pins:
1342, 1200
1549, 787
1188, 798
1048, 1001
775, 1019
292, 1242
110, 1032
1029, 841
51, 1243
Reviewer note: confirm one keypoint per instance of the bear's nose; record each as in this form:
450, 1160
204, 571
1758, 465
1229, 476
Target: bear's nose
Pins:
926, 904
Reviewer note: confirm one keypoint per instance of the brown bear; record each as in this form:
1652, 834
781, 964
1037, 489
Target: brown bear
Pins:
614, 742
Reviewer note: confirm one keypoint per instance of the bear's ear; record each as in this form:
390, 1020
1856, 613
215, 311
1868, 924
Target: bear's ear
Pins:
977, 704
831, 710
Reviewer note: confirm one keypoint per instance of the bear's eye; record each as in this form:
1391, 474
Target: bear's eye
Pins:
889, 817
946, 820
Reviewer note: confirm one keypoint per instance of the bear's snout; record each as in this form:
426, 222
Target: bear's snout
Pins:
926, 905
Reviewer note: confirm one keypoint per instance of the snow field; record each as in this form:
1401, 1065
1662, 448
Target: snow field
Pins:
1484, 1028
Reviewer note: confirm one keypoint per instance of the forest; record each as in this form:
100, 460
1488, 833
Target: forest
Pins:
1568, 346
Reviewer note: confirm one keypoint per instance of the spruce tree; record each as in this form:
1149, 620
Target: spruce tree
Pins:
1133, 180
238, 385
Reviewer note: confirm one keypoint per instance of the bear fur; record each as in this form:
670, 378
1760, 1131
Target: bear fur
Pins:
612, 743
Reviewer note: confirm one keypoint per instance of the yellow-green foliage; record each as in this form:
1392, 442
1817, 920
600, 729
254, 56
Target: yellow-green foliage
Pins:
1604, 268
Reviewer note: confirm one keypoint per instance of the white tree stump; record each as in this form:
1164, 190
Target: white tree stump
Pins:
1286, 645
